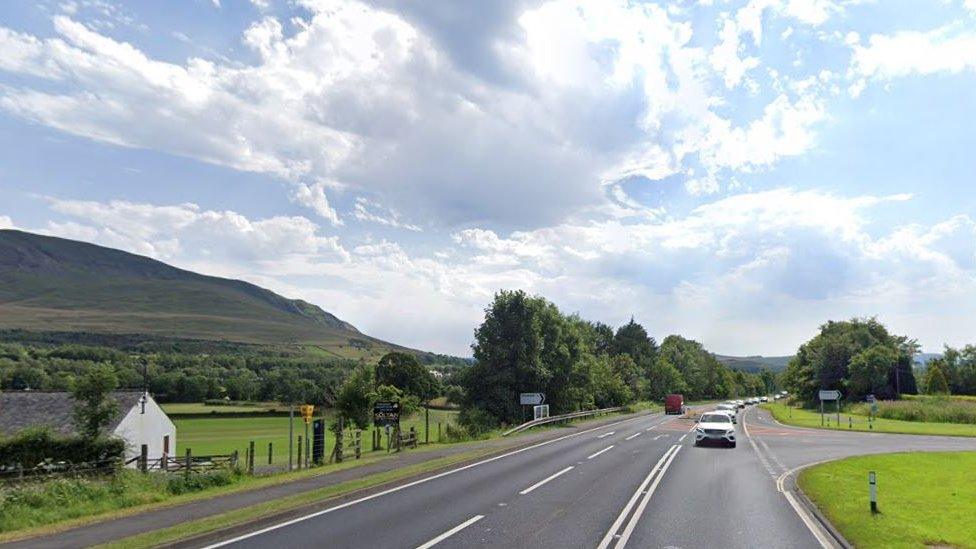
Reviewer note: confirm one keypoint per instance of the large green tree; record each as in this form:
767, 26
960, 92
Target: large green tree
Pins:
94, 405
404, 371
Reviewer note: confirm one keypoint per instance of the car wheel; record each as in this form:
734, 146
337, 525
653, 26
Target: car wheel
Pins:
732, 445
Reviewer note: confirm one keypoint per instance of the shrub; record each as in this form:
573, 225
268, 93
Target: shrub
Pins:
476, 421
32, 447
931, 409
180, 484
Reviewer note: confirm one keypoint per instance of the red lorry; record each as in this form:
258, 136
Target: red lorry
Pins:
674, 404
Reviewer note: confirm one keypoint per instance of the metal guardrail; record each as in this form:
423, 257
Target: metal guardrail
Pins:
562, 417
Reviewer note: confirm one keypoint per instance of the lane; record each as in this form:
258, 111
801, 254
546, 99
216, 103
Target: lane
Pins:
719, 497
415, 515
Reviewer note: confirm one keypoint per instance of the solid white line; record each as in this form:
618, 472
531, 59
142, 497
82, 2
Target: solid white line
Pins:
545, 480
606, 434
659, 436
824, 542
605, 542
410, 485
625, 535
682, 437
600, 452
633, 436
451, 532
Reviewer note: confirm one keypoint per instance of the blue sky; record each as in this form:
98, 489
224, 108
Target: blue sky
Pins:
735, 171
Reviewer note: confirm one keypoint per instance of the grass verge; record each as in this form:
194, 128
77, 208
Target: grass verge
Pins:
791, 415
925, 499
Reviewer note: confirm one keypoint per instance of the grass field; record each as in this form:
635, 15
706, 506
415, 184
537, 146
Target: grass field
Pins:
207, 436
790, 415
176, 408
925, 499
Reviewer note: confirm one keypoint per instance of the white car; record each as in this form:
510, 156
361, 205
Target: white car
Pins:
715, 427
763, 399
741, 403
731, 409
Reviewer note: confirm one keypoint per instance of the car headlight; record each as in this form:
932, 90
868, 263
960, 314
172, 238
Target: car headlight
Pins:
699, 430
730, 433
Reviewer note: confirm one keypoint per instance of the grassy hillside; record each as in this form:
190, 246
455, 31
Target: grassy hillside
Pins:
753, 364
56, 285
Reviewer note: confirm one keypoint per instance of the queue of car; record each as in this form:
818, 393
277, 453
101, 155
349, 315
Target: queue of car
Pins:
719, 424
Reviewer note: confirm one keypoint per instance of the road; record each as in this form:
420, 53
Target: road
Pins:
640, 482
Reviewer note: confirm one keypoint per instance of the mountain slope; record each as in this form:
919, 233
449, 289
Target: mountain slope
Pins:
754, 364
54, 284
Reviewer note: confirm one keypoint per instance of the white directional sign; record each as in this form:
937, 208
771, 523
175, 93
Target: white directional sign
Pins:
531, 399
829, 395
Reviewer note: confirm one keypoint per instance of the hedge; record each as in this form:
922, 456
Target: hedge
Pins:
32, 447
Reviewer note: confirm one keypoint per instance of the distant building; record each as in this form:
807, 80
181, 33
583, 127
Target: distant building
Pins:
138, 420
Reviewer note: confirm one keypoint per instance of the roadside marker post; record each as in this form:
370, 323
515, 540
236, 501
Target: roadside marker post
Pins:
873, 488
291, 433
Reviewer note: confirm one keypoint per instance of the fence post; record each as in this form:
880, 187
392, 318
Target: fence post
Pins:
359, 443
234, 458
269, 453
413, 436
250, 457
426, 424
299, 462
189, 463
144, 458
338, 447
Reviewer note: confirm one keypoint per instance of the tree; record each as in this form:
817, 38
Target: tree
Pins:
869, 370
935, 379
632, 339
354, 400
94, 405
403, 371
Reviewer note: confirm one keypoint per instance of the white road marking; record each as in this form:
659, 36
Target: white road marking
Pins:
606, 434
682, 437
547, 479
612, 533
625, 535
659, 436
451, 532
633, 436
607, 449
410, 485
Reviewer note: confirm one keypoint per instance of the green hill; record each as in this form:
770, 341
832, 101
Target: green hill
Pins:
754, 364
52, 284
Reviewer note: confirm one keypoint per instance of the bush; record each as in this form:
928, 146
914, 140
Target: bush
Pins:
32, 447
476, 422
180, 484
928, 409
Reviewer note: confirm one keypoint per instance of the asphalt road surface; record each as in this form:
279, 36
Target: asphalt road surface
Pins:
638, 483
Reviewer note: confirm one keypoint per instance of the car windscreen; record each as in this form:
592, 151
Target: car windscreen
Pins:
716, 418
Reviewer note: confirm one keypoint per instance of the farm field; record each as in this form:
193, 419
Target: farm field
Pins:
177, 408
207, 436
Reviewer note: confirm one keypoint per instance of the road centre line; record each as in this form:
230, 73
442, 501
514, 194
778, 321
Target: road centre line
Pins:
605, 542
659, 436
625, 535
600, 452
411, 484
682, 437
606, 434
547, 479
451, 532
633, 436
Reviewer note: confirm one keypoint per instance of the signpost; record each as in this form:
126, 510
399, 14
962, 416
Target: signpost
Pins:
829, 395
307, 410
531, 399
540, 411
386, 413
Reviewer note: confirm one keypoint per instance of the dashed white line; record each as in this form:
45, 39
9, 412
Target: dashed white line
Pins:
651, 428
451, 532
633, 436
606, 434
547, 479
659, 436
607, 449
682, 437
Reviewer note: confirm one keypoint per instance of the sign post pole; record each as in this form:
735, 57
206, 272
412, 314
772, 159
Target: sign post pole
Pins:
291, 433
873, 488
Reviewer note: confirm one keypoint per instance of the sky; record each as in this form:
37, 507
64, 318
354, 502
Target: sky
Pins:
737, 172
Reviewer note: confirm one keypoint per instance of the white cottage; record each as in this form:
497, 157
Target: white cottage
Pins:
139, 420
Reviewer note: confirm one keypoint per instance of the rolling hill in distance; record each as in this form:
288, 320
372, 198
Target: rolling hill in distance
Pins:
754, 364
50, 284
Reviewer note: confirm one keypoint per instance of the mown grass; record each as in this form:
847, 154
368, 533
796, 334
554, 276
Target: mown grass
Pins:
791, 415
39, 503
930, 409
925, 499
223, 435
179, 408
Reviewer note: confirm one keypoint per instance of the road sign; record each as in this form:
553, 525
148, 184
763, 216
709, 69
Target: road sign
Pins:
386, 413
307, 411
829, 395
540, 411
531, 399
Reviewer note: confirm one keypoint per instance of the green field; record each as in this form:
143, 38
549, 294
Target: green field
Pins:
800, 417
208, 436
177, 408
925, 499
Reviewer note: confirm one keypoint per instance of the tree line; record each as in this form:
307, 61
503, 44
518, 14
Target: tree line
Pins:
526, 344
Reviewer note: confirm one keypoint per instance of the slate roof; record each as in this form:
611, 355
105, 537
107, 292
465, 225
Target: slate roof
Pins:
24, 409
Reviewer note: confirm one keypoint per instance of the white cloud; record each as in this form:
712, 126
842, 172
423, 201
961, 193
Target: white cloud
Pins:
6, 222
313, 196
949, 49
369, 211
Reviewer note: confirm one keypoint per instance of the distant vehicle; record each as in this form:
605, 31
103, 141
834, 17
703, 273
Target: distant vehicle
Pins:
674, 404
741, 403
730, 409
763, 399
783, 393
715, 427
